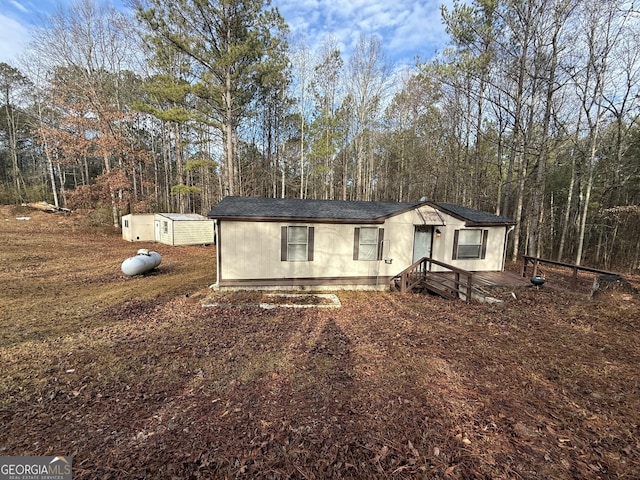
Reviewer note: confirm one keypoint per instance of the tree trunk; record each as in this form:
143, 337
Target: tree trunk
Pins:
535, 243
229, 131
112, 194
13, 145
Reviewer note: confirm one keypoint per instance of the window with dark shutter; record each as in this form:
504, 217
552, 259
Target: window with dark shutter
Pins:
296, 243
367, 243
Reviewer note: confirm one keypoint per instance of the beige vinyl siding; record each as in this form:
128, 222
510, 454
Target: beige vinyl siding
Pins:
399, 230
252, 250
183, 229
192, 232
165, 231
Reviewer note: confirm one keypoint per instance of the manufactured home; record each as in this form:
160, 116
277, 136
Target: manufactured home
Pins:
294, 243
183, 229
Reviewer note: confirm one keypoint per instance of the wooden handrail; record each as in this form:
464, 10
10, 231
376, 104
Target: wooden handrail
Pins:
526, 259
417, 272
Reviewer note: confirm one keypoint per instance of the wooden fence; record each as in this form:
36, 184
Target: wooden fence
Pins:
575, 269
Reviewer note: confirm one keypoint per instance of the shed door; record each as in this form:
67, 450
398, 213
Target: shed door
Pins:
422, 242
157, 232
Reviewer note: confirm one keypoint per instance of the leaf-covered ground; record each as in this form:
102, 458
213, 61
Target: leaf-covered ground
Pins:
134, 379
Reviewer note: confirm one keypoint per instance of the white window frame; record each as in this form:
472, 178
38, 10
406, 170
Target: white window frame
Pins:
297, 249
365, 249
292, 247
470, 244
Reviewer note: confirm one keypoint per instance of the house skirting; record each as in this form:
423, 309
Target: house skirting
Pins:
314, 283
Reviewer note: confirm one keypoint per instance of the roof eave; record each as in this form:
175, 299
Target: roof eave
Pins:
469, 223
360, 221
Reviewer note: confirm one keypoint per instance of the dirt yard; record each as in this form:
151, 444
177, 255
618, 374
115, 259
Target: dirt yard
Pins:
134, 379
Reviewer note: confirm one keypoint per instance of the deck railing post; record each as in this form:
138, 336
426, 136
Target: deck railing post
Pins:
469, 284
523, 270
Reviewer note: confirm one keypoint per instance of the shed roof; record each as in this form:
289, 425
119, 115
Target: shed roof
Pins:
182, 216
294, 209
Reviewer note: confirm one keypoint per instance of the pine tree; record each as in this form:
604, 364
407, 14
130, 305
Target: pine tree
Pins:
227, 42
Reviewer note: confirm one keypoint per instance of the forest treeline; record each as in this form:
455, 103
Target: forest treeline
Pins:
530, 112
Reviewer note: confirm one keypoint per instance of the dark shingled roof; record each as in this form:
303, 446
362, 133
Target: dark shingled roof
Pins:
295, 209
238, 208
473, 216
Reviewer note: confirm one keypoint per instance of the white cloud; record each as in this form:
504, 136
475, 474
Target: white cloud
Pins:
407, 28
19, 6
421, 33
14, 37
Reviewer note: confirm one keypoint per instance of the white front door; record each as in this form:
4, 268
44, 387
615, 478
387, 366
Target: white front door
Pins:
422, 242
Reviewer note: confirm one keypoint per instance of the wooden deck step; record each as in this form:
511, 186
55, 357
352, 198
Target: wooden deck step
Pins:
438, 288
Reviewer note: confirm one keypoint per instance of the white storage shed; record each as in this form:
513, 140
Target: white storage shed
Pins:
183, 229
138, 227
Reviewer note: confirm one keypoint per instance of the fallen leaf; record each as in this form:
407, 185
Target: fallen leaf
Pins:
384, 451
413, 450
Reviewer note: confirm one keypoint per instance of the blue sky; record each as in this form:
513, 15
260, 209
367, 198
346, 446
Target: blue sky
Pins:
406, 28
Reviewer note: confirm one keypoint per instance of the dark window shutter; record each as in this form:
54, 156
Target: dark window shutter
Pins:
356, 243
283, 244
483, 253
454, 255
310, 241
380, 240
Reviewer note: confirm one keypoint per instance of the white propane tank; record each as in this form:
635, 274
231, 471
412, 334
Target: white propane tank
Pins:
143, 262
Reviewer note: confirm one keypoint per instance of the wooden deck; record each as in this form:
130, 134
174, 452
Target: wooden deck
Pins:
452, 282
499, 279
493, 279
481, 283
